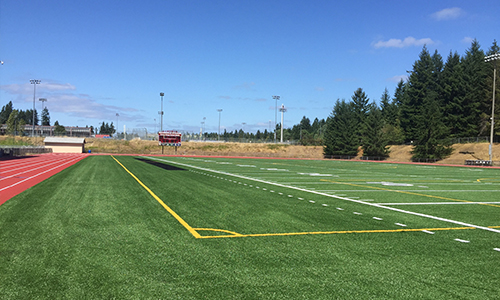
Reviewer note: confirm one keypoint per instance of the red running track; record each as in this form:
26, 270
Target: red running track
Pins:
19, 174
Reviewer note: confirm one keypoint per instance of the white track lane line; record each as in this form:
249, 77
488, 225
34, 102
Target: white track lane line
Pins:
19, 182
52, 162
334, 196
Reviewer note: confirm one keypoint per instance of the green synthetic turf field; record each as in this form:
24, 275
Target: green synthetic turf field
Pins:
131, 227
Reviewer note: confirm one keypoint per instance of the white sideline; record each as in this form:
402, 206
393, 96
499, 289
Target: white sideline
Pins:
332, 196
438, 203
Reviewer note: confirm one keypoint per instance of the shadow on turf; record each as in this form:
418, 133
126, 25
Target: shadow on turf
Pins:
161, 165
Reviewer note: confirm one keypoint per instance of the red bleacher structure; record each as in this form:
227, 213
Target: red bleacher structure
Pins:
169, 138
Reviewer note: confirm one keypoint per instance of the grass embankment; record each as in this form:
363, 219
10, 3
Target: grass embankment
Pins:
20, 141
399, 153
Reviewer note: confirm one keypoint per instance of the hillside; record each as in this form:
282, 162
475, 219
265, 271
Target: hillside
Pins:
400, 153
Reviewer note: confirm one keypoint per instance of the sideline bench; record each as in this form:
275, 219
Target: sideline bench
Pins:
478, 162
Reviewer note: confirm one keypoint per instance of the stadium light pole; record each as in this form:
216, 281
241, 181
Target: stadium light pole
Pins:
161, 112
275, 115
34, 82
161, 116
117, 115
42, 100
493, 57
283, 110
204, 122
201, 129
219, 110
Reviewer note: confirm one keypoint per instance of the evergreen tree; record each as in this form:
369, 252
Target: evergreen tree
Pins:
59, 129
315, 126
421, 110
375, 143
392, 132
5, 113
432, 142
12, 122
475, 102
45, 117
420, 84
340, 136
305, 124
388, 109
453, 97
361, 107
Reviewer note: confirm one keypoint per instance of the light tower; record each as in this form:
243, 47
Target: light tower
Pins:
493, 57
161, 112
283, 110
34, 82
201, 129
275, 115
42, 100
219, 110
117, 115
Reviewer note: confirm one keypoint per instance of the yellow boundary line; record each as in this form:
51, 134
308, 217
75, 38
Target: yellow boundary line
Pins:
337, 232
488, 180
173, 213
405, 192
232, 234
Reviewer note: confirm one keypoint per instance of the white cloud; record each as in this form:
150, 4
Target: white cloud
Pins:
407, 42
59, 87
246, 86
467, 40
27, 88
448, 14
398, 78
62, 99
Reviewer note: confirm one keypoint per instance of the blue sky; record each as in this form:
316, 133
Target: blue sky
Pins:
99, 58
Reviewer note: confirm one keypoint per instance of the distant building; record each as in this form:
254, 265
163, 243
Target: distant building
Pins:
49, 130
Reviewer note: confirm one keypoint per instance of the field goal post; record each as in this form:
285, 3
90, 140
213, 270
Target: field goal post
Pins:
169, 138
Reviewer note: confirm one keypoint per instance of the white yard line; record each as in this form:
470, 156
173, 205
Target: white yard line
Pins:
334, 196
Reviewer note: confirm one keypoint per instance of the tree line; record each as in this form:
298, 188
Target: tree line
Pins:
438, 102
16, 119
23, 115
